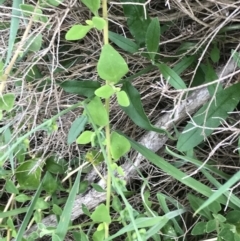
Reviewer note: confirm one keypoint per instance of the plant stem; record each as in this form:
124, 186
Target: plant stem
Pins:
107, 128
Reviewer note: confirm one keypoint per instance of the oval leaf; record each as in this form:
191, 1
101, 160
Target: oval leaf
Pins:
7, 102
99, 23
97, 112
111, 65
28, 175
123, 43
76, 128
56, 166
119, 145
85, 137
170, 75
84, 87
153, 37
93, 5
215, 54
77, 32
135, 110
101, 214
34, 43
105, 91
225, 101
50, 184
122, 98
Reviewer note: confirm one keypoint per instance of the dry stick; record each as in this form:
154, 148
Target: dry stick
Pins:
151, 140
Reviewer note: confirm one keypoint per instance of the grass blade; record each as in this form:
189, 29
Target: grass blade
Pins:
224, 103
224, 188
199, 164
28, 214
176, 173
15, 19
62, 226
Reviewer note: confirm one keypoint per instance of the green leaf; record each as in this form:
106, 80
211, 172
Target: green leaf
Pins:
50, 184
101, 214
56, 166
111, 65
93, 5
195, 203
20, 154
41, 204
29, 10
56, 210
34, 43
10, 187
83, 88
215, 207
28, 215
175, 172
171, 77
199, 77
97, 187
135, 110
136, 20
123, 99
225, 187
55, 237
211, 75
83, 186
105, 91
184, 63
62, 227
153, 38
85, 210
97, 112
116, 204
233, 217
169, 231
144, 222
22, 198
199, 228
7, 102
77, 32
227, 233
85, 137
236, 236
80, 236
76, 128
98, 235
28, 175
211, 226
124, 43
99, 23
13, 212
119, 145
215, 54
198, 163
16, 15
220, 218
225, 101
33, 74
